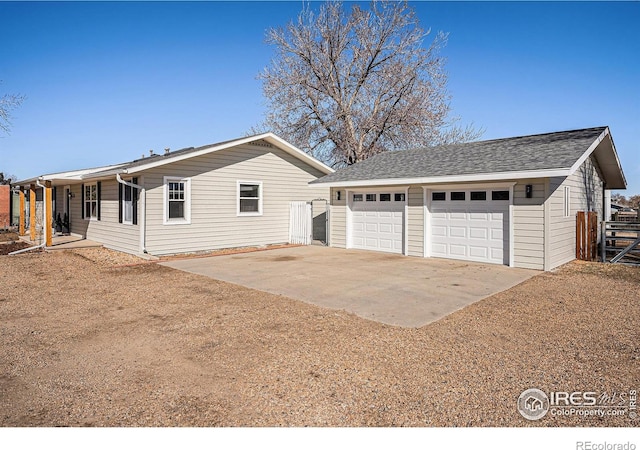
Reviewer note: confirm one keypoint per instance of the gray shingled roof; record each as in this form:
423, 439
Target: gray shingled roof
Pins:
559, 150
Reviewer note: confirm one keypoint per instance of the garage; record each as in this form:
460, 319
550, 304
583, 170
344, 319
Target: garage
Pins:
472, 225
377, 221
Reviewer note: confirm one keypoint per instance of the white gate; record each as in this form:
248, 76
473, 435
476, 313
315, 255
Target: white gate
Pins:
300, 223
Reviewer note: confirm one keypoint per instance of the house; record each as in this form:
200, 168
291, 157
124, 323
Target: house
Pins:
231, 194
506, 201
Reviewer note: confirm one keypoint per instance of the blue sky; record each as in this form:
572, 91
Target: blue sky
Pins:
106, 82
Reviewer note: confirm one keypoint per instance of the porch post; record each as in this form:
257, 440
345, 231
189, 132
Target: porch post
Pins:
21, 223
49, 210
32, 212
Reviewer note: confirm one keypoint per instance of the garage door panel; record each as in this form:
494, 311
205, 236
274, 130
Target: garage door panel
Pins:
478, 252
386, 228
378, 225
458, 250
457, 232
478, 233
482, 216
470, 230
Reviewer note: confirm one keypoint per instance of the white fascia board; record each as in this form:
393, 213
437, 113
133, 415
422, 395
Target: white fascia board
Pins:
269, 137
496, 176
589, 151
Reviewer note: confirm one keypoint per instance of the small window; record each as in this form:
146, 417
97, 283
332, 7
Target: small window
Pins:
385, 197
398, 197
249, 199
458, 195
127, 204
338, 195
91, 201
371, 197
567, 201
478, 195
438, 196
177, 200
499, 195
357, 197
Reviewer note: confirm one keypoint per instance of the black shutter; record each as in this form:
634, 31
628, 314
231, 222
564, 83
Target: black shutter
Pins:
120, 197
82, 204
134, 200
98, 198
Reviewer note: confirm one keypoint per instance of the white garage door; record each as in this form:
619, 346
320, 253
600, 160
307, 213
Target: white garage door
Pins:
470, 224
377, 221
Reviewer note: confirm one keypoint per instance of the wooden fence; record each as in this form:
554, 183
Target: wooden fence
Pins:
587, 236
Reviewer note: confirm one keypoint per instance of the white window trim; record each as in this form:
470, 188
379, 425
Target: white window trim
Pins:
124, 187
187, 200
260, 196
84, 203
567, 202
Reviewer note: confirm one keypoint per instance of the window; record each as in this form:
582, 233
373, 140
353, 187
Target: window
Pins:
371, 197
499, 195
567, 201
338, 195
177, 204
90, 195
438, 196
128, 198
478, 195
357, 197
398, 197
249, 198
385, 197
458, 196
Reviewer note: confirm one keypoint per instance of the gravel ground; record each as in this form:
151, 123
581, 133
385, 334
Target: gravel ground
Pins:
89, 340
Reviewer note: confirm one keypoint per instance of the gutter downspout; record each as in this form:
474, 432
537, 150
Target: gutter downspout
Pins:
143, 211
44, 223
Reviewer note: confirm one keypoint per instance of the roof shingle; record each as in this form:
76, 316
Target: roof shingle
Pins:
558, 150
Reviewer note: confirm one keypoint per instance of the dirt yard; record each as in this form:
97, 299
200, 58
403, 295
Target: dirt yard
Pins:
86, 343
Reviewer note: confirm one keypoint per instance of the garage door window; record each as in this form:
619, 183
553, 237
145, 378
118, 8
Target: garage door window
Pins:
399, 197
478, 195
371, 197
438, 196
385, 197
458, 196
500, 195
357, 197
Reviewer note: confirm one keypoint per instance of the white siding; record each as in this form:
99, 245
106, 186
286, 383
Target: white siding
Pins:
214, 220
108, 231
586, 195
528, 225
338, 219
415, 219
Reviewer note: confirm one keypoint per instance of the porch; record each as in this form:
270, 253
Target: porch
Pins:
63, 242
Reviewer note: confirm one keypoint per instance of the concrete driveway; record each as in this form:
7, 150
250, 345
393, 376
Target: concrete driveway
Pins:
393, 289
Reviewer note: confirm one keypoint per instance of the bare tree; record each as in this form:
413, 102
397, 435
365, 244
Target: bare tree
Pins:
8, 102
7, 178
344, 87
